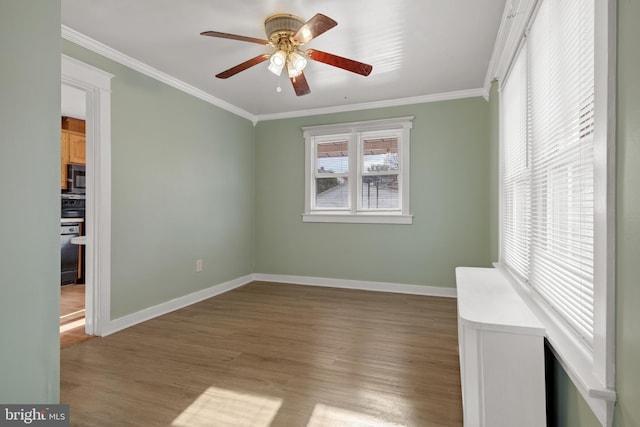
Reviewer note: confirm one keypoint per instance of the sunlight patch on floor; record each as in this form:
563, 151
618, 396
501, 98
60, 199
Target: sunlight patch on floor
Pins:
220, 407
71, 325
330, 416
74, 314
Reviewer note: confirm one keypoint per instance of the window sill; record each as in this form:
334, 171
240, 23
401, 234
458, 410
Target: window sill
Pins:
570, 353
361, 218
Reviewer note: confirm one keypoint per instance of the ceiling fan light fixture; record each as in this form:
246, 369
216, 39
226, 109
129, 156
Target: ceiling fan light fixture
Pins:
292, 70
298, 61
275, 69
279, 58
277, 62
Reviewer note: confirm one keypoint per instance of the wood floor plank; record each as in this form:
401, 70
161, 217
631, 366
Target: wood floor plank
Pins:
270, 355
72, 315
71, 299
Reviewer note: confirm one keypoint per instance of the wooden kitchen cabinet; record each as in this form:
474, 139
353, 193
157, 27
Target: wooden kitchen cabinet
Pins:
77, 149
64, 159
72, 147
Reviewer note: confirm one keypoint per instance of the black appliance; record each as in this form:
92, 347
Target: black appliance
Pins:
76, 179
72, 205
69, 252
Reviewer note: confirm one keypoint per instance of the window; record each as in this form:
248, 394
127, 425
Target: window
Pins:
556, 189
358, 172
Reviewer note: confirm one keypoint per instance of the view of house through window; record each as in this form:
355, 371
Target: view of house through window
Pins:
380, 174
380, 183
332, 175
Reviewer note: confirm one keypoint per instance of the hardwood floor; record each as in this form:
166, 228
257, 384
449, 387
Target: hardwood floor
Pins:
71, 302
270, 355
72, 315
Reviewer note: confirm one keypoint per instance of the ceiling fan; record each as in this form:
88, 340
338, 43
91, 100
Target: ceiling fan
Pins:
287, 34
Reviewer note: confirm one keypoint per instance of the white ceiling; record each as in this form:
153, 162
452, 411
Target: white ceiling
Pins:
418, 48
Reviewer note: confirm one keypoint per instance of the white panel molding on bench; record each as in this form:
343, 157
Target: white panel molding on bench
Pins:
501, 353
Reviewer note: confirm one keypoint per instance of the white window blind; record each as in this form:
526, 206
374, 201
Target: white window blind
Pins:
548, 162
561, 94
516, 190
557, 185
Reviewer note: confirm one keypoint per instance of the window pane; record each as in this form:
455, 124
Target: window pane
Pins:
332, 157
380, 192
380, 154
332, 192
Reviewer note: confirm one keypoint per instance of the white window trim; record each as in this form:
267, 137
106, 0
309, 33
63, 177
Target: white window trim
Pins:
593, 373
355, 214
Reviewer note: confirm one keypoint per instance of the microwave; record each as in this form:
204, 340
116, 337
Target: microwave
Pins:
76, 179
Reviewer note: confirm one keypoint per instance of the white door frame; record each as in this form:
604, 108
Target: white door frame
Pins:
97, 86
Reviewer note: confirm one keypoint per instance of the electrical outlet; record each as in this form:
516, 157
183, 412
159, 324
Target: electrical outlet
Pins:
198, 265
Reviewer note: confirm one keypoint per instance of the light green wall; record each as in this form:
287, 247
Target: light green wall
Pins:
449, 200
29, 194
182, 189
628, 216
568, 408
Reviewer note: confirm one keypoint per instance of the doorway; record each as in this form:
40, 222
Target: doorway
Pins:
72, 221
95, 84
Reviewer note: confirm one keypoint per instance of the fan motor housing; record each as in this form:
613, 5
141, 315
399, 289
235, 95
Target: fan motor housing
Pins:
281, 27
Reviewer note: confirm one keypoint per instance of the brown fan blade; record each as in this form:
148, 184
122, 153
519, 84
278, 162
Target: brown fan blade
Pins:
340, 62
313, 28
241, 67
300, 85
234, 37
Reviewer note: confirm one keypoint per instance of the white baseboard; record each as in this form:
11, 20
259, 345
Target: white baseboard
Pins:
132, 319
399, 288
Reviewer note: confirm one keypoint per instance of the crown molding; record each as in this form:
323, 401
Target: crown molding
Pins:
119, 57
447, 96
